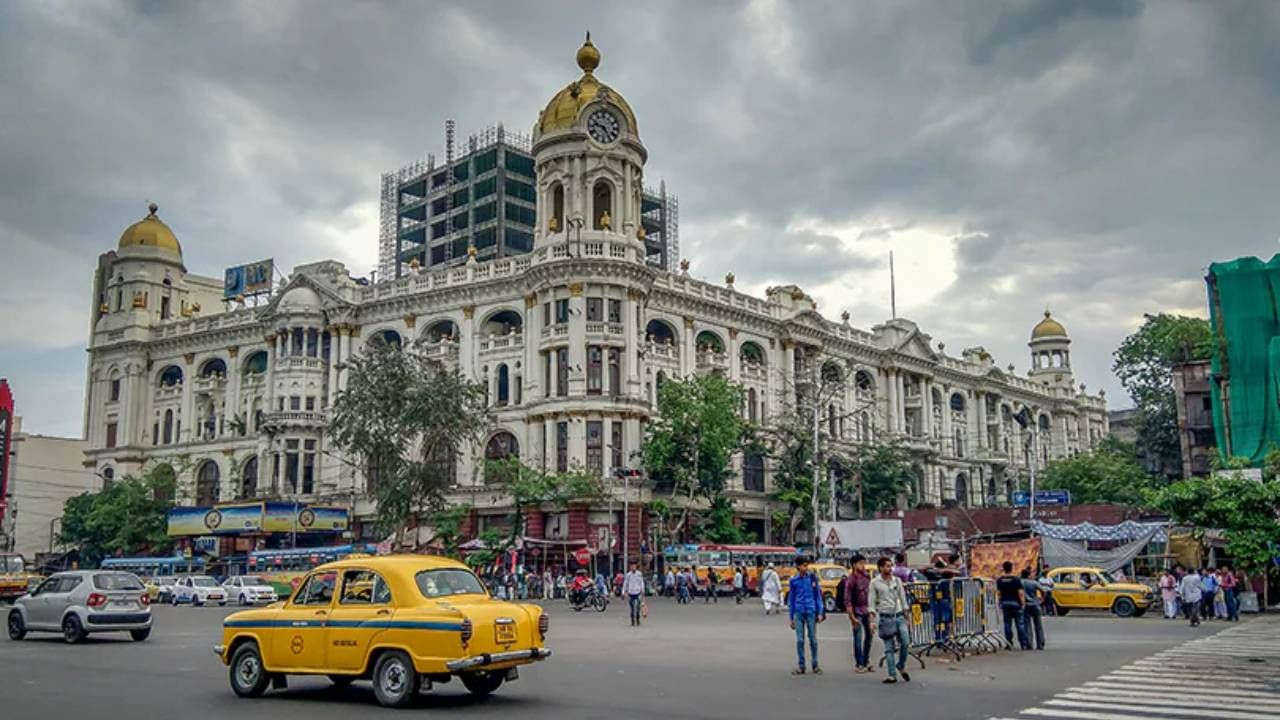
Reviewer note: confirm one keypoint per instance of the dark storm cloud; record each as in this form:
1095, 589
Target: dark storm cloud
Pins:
1088, 156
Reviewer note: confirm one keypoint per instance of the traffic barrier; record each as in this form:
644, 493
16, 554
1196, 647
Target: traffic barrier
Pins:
957, 617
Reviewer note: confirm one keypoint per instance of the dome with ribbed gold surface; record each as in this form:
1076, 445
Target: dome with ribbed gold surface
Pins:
150, 231
566, 105
1048, 327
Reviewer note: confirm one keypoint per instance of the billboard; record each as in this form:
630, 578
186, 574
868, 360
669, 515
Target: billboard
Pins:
251, 279
254, 518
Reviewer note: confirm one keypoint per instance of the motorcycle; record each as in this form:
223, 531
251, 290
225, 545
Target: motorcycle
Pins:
590, 598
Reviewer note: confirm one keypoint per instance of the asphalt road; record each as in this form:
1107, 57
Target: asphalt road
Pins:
697, 661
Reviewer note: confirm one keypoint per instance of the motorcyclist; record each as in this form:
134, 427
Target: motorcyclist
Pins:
581, 585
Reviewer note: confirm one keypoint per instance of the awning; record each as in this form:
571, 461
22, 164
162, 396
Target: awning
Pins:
1127, 530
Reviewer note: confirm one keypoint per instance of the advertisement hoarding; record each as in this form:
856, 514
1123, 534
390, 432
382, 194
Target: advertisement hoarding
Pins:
249, 279
253, 518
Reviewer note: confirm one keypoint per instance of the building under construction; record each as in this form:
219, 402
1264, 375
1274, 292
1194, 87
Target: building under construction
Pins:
484, 195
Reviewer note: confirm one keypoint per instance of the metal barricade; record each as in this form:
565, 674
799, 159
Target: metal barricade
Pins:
971, 613
956, 617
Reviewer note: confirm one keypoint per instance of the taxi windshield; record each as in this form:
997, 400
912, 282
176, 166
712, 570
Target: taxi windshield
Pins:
442, 583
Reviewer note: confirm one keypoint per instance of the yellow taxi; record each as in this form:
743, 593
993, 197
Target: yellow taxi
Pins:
15, 578
1091, 588
831, 579
403, 622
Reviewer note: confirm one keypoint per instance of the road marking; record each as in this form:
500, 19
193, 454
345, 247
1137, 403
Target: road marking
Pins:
1227, 676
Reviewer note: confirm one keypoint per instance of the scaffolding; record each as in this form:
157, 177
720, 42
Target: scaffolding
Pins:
664, 217
389, 214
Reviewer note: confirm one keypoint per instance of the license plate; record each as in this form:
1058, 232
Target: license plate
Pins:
505, 633
123, 605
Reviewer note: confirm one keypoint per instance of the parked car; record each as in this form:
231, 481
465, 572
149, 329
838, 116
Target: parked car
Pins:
1091, 588
198, 590
81, 602
162, 588
402, 621
250, 590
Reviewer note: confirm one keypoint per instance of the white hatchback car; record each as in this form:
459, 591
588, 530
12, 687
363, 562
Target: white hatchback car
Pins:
198, 590
249, 590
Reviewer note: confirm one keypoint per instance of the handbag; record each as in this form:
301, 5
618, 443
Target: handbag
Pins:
887, 627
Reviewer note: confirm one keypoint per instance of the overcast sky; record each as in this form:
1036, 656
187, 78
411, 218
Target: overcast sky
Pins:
1091, 157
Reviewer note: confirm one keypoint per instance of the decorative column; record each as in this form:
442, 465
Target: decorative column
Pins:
631, 357
188, 399
948, 429
335, 357
688, 353
788, 373
735, 365
982, 420
467, 344
232, 398
926, 402
890, 401
532, 358
345, 350
577, 345
273, 350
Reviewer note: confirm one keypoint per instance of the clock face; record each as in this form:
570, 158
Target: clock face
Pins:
603, 126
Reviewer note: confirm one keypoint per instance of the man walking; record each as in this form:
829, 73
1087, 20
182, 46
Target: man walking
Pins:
804, 601
771, 590
1035, 627
888, 597
1229, 585
856, 588
712, 587
1192, 590
1013, 601
739, 584
633, 588
1208, 591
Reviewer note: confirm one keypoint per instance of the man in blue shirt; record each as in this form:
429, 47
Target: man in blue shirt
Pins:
804, 601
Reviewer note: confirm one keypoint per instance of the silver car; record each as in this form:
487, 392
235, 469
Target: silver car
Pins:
80, 602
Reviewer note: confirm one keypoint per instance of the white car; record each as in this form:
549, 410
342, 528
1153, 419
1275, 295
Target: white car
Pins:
198, 590
249, 590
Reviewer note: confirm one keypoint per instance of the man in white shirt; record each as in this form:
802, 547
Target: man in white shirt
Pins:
888, 600
1192, 590
633, 588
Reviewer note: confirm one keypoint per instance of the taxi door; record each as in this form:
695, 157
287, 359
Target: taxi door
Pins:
364, 610
298, 641
1066, 590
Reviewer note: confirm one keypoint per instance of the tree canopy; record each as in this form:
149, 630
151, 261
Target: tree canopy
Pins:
404, 418
1143, 363
882, 473
124, 518
1109, 473
1245, 510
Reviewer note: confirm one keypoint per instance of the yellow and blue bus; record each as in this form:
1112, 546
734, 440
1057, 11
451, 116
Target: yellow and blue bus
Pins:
152, 567
284, 569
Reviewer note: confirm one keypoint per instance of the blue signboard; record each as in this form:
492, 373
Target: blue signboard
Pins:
249, 279
1022, 498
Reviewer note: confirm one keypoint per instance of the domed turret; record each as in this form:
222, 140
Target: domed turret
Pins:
1050, 351
150, 231
1048, 327
565, 107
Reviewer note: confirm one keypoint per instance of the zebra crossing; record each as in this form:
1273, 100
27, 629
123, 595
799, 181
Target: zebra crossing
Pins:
1231, 675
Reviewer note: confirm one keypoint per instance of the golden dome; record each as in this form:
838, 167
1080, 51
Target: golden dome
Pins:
150, 231
564, 108
1048, 327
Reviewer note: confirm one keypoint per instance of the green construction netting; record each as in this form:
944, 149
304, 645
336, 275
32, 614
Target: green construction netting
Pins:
1246, 318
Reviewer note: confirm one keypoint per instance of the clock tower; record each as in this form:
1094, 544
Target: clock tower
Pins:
589, 162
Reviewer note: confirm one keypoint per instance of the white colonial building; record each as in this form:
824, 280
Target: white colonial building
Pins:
573, 340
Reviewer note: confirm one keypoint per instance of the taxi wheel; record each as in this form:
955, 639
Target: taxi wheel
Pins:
482, 684
1124, 607
72, 631
1061, 611
17, 630
829, 603
395, 681
248, 677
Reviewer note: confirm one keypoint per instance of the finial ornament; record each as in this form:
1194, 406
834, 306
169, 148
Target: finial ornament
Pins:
728, 279
471, 251
844, 317
684, 266
153, 208
588, 56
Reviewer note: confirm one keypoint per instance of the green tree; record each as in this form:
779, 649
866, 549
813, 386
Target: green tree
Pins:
1143, 363
689, 446
404, 418
1110, 473
882, 473
789, 444
531, 489
718, 525
124, 518
1247, 512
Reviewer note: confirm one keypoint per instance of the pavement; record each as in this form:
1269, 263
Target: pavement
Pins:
696, 661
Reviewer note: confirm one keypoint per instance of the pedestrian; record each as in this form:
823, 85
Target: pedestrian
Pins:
804, 604
1169, 594
1209, 591
900, 569
669, 583
1048, 606
739, 584
1230, 586
1035, 625
1013, 601
1192, 592
1179, 572
771, 590
856, 588
602, 587
548, 587
887, 597
633, 588
711, 587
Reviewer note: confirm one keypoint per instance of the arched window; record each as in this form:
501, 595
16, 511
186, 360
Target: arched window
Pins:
256, 364
108, 476
751, 354
168, 426
384, 339
753, 472
602, 204
1044, 423
501, 446
503, 322
957, 402
213, 366
751, 405
249, 478
863, 381
832, 373
708, 340
660, 332
504, 385
208, 480
962, 490
170, 376
557, 207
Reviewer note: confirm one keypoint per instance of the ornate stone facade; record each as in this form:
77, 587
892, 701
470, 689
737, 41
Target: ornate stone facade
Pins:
573, 340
